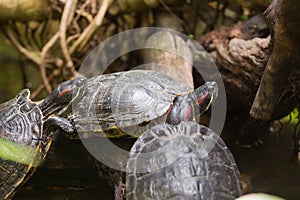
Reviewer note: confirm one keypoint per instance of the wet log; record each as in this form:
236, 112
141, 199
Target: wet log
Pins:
241, 53
241, 56
23, 10
283, 17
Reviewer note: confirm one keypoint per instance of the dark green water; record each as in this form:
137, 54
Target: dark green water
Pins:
67, 173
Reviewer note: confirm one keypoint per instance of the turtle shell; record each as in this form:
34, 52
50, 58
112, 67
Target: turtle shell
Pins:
125, 100
26, 132
186, 161
20, 122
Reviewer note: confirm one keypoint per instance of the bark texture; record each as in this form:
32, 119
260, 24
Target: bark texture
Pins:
241, 53
249, 60
283, 17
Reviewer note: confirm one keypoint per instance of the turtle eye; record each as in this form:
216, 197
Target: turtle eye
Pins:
79, 82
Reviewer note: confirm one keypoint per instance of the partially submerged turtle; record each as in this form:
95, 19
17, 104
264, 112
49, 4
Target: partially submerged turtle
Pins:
184, 161
129, 103
28, 125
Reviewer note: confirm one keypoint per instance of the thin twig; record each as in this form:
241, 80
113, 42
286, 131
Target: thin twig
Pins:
66, 19
34, 56
171, 12
38, 90
20, 30
72, 37
90, 29
49, 44
85, 14
45, 79
42, 66
37, 57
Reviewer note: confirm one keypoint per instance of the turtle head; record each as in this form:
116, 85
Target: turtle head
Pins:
206, 95
63, 96
190, 106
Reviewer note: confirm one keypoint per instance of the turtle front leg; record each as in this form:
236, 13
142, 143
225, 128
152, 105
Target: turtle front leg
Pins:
54, 123
58, 123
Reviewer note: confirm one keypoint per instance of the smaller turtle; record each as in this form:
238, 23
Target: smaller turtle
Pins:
129, 103
27, 126
184, 161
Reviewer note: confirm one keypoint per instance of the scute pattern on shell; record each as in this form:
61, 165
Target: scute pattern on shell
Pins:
11, 175
21, 122
183, 165
139, 97
125, 99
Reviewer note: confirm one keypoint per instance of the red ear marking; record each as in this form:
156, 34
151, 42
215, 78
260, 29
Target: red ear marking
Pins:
187, 114
169, 109
201, 98
62, 93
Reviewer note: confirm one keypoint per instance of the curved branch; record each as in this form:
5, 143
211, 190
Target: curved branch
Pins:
87, 33
38, 90
42, 65
34, 56
66, 19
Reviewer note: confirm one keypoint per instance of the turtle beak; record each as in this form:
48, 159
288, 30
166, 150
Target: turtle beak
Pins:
206, 95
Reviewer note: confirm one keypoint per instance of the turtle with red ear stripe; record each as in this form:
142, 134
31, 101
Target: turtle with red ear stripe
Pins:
129, 103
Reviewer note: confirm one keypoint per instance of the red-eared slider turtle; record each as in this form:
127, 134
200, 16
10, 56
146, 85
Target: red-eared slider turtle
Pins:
184, 161
27, 125
128, 103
